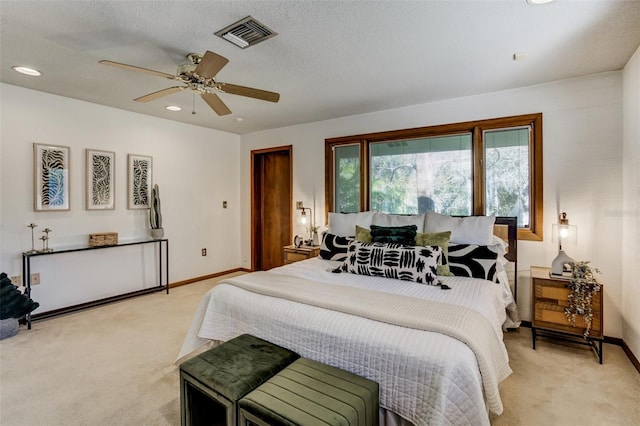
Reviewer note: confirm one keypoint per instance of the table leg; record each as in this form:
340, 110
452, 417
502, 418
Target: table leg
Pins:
533, 337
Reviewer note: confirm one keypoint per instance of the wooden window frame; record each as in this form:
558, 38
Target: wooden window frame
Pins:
476, 128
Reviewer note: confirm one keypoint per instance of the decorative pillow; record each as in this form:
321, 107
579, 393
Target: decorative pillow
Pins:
386, 219
440, 239
470, 260
363, 234
464, 230
408, 263
394, 234
334, 247
344, 224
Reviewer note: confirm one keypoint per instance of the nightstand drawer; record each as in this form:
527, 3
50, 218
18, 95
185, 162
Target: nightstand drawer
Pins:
290, 257
292, 254
555, 293
554, 314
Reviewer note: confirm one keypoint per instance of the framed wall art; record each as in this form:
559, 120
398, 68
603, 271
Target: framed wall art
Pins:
51, 177
140, 172
100, 175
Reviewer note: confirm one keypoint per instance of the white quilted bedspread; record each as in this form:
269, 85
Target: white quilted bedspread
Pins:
425, 377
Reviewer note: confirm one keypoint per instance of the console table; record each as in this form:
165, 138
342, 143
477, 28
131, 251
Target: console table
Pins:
163, 253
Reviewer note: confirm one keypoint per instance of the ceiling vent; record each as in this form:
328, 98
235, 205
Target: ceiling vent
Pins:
246, 32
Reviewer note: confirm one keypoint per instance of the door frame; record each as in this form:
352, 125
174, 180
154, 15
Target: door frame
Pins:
256, 179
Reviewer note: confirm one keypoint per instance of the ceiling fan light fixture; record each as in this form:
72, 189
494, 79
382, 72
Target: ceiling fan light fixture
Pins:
26, 71
173, 108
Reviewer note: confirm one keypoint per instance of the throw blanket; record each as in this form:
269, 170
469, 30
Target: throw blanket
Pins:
458, 322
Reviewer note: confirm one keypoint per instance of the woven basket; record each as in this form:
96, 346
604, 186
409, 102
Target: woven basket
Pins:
103, 239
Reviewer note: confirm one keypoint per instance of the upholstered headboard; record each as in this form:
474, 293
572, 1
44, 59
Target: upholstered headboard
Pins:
506, 227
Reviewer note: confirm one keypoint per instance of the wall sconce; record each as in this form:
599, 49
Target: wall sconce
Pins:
563, 233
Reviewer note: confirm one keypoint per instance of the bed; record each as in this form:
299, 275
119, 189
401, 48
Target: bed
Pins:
437, 353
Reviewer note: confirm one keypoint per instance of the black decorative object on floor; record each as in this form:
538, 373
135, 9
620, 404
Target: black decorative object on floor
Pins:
14, 304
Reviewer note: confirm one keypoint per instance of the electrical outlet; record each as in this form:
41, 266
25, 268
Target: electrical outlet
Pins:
204, 251
16, 280
35, 279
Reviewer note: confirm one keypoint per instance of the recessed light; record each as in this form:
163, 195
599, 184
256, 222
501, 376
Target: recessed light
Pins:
539, 1
173, 108
26, 71
238, 119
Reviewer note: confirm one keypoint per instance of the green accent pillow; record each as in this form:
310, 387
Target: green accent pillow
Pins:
363, 234
437, 239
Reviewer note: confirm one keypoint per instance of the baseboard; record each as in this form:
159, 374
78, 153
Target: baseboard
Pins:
207, 277
611, 340
631, 356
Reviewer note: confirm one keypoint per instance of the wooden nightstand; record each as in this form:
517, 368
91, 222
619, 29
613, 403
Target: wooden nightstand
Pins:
549, 297
292, 253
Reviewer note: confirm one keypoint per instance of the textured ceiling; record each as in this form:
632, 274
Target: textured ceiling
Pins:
330, 58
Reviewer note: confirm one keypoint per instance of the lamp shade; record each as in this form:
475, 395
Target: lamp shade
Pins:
564, 234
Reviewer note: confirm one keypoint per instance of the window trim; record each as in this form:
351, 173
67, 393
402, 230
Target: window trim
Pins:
477, 129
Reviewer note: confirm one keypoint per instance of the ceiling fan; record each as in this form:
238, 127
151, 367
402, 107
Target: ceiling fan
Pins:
198, 75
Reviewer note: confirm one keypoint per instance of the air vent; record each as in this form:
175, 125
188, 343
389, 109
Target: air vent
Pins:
246, 32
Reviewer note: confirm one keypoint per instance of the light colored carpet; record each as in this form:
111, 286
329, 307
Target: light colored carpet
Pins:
114, 365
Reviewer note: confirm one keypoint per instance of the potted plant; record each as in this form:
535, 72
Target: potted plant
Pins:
582, 286
155, 214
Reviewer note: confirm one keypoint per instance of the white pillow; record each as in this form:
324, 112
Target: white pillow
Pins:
464, 230
344, 224
385, 219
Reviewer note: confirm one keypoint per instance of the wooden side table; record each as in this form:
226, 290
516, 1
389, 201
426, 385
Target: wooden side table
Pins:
549, 297
292, 253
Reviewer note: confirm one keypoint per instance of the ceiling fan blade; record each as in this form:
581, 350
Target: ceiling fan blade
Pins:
160, 93
132, 68
216, 103
210, 64
250, 92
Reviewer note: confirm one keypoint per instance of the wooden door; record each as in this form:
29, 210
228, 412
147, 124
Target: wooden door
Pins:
270, 206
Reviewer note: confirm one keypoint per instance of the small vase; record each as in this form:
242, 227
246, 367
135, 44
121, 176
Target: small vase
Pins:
314, 240
157, 234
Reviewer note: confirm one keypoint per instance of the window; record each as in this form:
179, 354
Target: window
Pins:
418, 175
480, 167
346, 169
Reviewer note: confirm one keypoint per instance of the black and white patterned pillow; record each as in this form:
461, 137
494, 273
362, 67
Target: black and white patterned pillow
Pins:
470, 260
334, 247
402, 262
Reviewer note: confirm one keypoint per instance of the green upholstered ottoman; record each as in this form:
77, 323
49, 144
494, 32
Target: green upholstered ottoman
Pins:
308, 393
212, 383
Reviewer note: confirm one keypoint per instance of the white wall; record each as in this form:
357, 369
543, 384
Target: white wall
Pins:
196, 169
582, 120
630, 214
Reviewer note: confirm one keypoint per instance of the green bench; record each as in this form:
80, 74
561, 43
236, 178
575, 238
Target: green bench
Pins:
308, 393
213, 382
